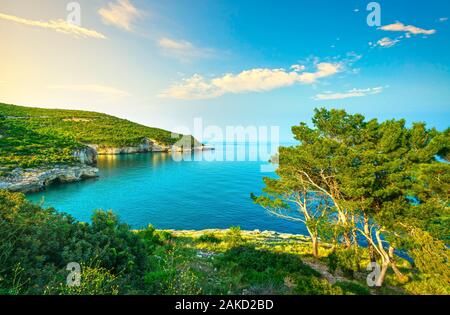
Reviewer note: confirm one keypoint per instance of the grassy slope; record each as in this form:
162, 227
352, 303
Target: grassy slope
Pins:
252, 262
36, 136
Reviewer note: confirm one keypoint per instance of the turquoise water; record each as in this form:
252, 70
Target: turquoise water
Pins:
158, 189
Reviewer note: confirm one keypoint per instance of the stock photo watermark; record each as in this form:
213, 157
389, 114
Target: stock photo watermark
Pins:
374, 275
374, 17
74, 277
74, 16
231, 144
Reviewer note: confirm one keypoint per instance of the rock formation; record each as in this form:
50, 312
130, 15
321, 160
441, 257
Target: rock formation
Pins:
35, 179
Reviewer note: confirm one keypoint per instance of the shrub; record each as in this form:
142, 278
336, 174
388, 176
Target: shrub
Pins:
345, 259
349, 287
209, 238
37, 244
314, 286
159, 281
93, 281
233, 237
428, 285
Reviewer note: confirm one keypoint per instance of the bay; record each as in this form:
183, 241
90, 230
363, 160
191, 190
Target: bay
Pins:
201, 190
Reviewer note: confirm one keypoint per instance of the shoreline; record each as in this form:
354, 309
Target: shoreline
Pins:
34, 179
262, 235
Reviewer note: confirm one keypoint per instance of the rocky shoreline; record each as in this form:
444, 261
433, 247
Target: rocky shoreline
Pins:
36, 179
266, 234
146, 146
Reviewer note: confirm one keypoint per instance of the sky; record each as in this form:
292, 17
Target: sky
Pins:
228, 62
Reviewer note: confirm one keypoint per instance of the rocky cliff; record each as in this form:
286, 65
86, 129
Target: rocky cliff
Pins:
86, 155
35, 179
147, 145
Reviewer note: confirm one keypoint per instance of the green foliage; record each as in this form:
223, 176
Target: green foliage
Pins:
350, 287
347, 260
160, 281
350, 179
262, 268
94, 281
234, 237
37, 244
314, 286
209, 238
428, 285
432, 260
172, 273
343, 170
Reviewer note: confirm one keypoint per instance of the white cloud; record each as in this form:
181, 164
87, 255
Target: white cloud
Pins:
411, 29
60, 26
443, 19
351, 93
121, 14
408, 31
254, 80
92, 88
183, 50
298, 68
387, 42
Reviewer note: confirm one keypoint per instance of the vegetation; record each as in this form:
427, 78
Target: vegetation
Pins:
351, 180
34, 136
37, 244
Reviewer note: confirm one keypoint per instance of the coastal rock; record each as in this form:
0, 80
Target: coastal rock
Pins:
147, 145
86, 155
35, 179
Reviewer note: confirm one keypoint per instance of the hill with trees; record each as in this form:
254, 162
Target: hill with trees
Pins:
32, 137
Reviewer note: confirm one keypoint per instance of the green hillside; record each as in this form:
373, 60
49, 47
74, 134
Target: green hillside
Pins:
36, 136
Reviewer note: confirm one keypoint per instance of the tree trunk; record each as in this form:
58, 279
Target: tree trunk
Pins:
346, 235
354, 233
314, 241
315, 245
385, 259
382, 276
400, 276
347, 240
369, 234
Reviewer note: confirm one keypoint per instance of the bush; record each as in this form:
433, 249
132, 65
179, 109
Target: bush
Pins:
233, 237
346, 259
314, 286
209, 238
37, 244
153, 238
164, 236
93, 281
428, 285
349, 287
159, 281
173, 282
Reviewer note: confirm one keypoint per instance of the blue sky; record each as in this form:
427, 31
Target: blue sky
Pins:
261, 63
